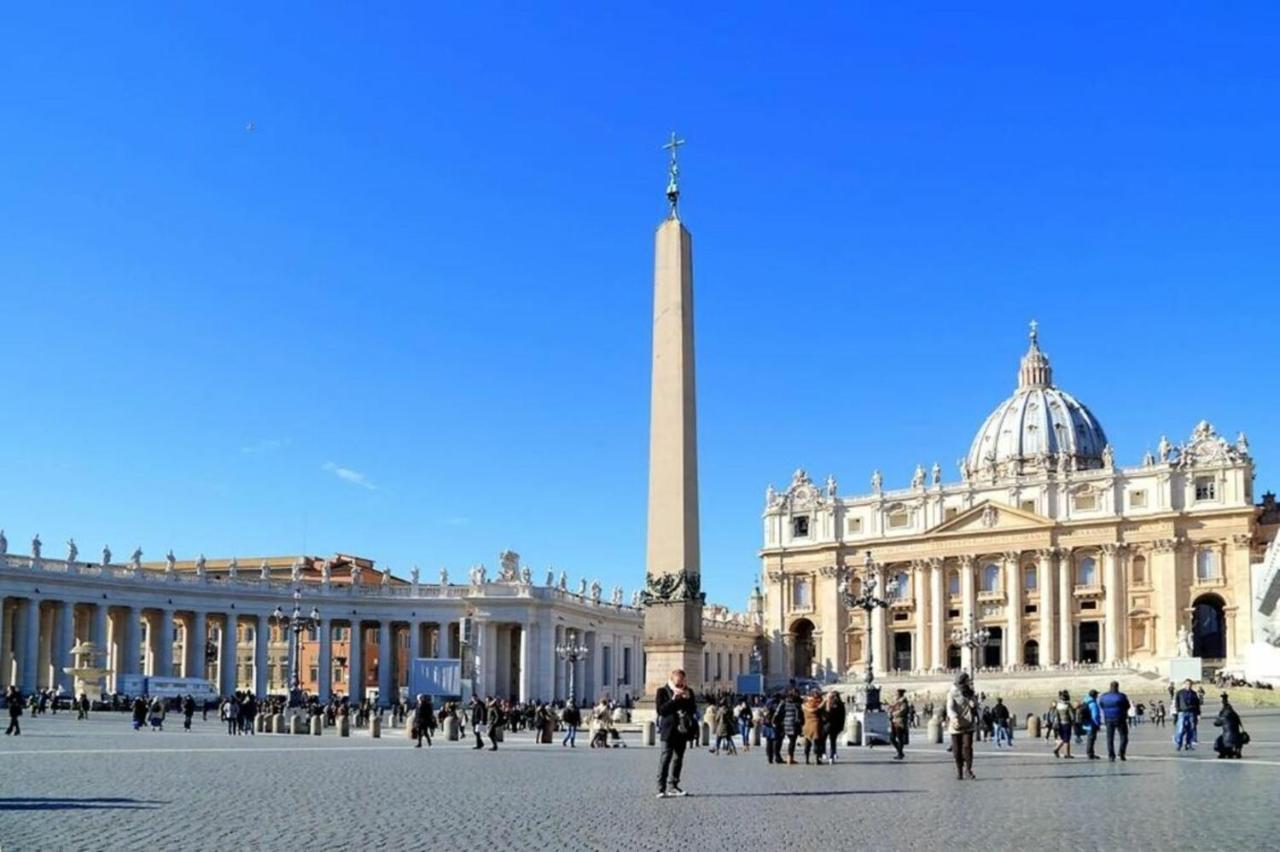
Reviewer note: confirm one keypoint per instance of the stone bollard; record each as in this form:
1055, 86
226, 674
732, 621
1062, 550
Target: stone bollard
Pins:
451, 729
548, 732
317, 725
260, 722
755, 733
857, 731
706, 734
1033, 726
650, 733
852, 735
375, 727
296, 724
934, 730
409, 730
344, 726
277, 723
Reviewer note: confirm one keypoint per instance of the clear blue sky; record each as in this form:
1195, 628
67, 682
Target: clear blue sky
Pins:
407, 316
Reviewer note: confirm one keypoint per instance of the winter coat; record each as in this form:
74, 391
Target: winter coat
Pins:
1114, 706
962, 711
813, 718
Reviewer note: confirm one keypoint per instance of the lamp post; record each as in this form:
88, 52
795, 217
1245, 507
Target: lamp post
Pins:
867, 601
294, 623
571, 652
974, 640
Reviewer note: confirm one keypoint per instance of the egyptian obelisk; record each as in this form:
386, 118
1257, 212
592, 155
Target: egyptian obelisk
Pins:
673, 589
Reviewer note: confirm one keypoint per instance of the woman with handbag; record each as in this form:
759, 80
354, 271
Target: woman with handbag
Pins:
1231, 742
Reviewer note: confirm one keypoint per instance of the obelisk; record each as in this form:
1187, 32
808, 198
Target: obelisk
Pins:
673, 589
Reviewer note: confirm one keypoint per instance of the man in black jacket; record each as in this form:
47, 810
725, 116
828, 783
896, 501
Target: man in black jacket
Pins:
676, 708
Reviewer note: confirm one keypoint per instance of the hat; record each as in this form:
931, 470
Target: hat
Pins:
962, 678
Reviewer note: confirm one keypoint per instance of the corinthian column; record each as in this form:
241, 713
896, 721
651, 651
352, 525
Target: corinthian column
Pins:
1113, 626
937, 615
1013, 610
920, 589
1066, 589
970, 606
1044, 568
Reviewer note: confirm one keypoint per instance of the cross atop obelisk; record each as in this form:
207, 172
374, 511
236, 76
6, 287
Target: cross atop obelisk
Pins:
673, 174
673, 586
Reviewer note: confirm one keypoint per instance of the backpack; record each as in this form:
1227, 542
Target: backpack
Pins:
1083, 716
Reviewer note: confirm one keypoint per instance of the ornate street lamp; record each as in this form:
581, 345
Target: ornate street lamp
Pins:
867, 601
571, 652
295, 623
975, 640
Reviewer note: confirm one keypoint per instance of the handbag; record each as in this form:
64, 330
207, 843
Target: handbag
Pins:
686, 725
1244, 738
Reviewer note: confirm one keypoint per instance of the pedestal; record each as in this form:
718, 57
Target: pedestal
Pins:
317, 725
375, 727
451, 729
1184, 668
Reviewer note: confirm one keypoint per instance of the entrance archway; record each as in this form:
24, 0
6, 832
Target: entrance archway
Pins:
1088, 642
902, 652
1031, 653
1209, 628
954, 658
802, 648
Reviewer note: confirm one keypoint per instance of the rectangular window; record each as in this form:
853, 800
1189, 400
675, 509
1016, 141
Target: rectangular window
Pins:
1137, 499
626, 665
854, 525
953, 613
1088, 604
800, 527
949, 513
1030, 609
901, 616
801, 593
313, 674
1086, 501
1206, 488
1029, 579
898, 520
1028, 505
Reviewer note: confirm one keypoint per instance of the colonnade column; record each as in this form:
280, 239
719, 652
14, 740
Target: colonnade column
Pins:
937, 613
920, 585
386, 663
261, 666
1013, 610
6, 646
66, 641
324, 668
29, 652
415, 641
1113, 596
526, 662
1065, 596
164, 646
227, 662
197, 641
131, 640
355, 662
970, 606
1046, 581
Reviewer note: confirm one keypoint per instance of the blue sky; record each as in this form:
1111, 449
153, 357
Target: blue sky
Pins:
407, 315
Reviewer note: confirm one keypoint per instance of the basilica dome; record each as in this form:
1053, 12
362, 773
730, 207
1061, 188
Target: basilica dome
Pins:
1039, 427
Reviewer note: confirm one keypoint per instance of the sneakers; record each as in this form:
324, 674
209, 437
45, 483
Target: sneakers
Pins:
676, 791
663, 794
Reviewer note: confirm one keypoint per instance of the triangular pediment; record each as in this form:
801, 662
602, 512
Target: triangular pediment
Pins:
989, 517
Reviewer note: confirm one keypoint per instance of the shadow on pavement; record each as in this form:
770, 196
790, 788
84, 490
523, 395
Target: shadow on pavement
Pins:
59, 803
793, 793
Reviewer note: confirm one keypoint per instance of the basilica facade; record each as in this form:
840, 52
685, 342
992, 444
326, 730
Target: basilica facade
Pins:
1048, 546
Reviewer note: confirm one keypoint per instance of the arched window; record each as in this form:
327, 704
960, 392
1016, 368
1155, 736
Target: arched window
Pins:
991, 577
1087, 572
1139, 570
1206, 564
1031, 653
902, 589
953, 584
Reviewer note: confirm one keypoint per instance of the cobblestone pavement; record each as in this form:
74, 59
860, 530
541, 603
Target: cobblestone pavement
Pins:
99, 785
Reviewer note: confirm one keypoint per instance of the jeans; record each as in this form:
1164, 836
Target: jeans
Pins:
672, 761
1185, 733
1003, 736
233, 726
14, 727
570, 735
1122, 726
832, 738
1091, 740
791, 746
962, 752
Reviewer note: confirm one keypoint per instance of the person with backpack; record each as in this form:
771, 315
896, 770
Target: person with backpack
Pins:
962, 718
1089, 715
1063, 718
1000, 722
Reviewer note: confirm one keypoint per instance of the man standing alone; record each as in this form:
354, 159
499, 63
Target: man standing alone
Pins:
1187, 703
676, 724
1114, 705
